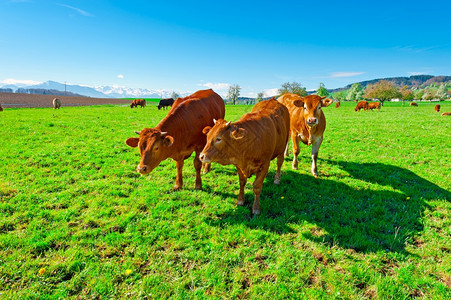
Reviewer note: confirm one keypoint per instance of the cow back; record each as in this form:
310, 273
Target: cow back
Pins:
189, 115
268, 126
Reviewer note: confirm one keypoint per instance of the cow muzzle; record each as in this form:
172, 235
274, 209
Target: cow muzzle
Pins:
143, 169
203, 158
312, 122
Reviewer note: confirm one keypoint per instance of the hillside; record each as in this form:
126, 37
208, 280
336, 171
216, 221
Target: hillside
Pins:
412, 81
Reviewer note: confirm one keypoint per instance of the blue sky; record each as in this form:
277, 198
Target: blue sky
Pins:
190, 45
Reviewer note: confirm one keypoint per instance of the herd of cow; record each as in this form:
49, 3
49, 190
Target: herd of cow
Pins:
196, 124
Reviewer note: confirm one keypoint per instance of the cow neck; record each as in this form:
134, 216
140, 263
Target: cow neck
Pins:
174, 125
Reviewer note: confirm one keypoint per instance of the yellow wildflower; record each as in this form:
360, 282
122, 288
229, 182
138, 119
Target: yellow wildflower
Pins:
41, 271
128, 272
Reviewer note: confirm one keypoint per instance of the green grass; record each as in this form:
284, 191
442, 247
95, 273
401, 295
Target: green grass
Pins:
77, 221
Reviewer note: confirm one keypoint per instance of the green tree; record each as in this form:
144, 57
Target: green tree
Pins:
355, 92
340, 96
233, 93
293, 87
259, 97
382, 90
322, 91
418, 94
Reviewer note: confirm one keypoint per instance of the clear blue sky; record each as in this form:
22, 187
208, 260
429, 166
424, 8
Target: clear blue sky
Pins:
190, 45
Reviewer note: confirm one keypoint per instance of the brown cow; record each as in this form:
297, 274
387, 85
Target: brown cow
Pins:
437, 108
373, 105
413, 104
337, 105
360, 105
307, 123
136, 102
56, 103
250, 144
179, 134
1, 108
446, 114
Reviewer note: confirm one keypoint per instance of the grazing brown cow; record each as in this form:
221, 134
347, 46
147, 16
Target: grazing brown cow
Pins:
56, 103
373, 105
250, 144
337, 105
437, 108
136, 102
307, 123
179, 134
360, 105
446, 114
413, 104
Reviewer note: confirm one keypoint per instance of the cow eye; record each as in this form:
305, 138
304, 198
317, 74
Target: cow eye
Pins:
155, 148
218, 140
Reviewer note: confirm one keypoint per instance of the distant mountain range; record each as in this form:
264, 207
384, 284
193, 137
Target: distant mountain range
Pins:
97, 92
56, 88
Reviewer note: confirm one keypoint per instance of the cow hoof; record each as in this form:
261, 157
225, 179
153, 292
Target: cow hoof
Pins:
177, 188
240, 202
199, 188
277, 181
256, 212
315, 175
295, 167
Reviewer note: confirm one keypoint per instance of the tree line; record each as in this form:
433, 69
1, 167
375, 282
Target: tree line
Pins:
382, 90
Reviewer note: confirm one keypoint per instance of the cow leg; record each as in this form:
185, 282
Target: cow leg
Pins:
198, 167
179, 178
315, 148
243, 180
295, 139
286, 148
257, 186
279, 166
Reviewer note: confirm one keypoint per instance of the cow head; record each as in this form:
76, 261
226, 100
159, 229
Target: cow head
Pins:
312, 107
153, 146
222, 140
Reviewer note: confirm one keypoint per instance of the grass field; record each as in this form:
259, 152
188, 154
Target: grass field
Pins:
78, 221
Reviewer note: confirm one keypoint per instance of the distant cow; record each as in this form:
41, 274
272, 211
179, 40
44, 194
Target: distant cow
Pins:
250, 144
165, 103
337, 105
56, 103
446, 114
373, 105
136, 102
413, 104
360, 105
307, 123
179, 134
1, 108
437, 108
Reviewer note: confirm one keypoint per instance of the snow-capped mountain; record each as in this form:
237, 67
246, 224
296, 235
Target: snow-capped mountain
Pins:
97, 92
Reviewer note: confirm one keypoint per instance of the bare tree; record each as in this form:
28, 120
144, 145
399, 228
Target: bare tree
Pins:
233, 93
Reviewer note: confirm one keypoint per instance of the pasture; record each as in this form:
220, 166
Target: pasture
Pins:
78, 221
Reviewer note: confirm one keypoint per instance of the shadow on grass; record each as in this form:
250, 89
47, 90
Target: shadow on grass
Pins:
382, 213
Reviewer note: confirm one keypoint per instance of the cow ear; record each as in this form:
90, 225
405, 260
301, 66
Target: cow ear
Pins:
326, 102
206, 130
132, 142
298, 103
168, 141
238, 133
